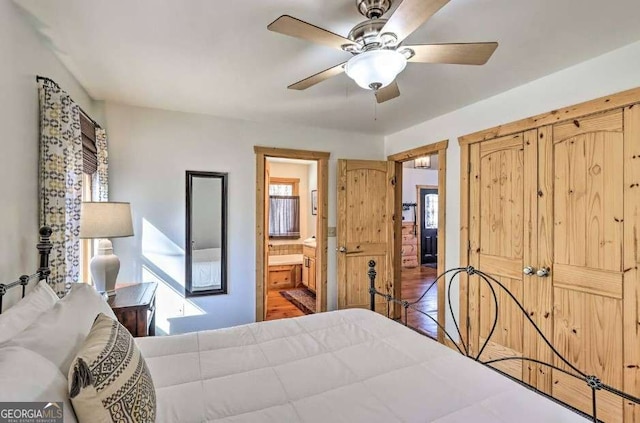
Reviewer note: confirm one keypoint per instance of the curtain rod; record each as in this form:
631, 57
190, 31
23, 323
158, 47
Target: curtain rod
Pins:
44, 78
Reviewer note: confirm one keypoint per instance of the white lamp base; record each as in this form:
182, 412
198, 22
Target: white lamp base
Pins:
104, 268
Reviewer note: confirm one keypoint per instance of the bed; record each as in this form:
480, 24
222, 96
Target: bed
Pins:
205, 268
343, 366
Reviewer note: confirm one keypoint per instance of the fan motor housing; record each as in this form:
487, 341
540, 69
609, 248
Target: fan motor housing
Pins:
373, 9
366, 33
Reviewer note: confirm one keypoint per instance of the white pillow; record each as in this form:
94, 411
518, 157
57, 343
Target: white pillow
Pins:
27, 310
27, 376
58, 333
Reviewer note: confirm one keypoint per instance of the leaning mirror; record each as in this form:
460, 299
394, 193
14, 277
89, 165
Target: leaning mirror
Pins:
206, 234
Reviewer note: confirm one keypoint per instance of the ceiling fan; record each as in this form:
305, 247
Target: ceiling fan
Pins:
376, 45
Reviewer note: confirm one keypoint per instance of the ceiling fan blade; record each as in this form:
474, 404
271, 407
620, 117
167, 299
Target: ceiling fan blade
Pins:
387, 93
410, 14
457, 54
318, 77
293, 27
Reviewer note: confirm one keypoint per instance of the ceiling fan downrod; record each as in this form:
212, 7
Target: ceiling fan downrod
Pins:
373, 9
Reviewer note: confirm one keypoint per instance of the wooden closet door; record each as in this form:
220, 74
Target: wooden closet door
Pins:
585, 159
497, 244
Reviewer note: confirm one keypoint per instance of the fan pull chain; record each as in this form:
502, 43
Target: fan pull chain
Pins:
375, 110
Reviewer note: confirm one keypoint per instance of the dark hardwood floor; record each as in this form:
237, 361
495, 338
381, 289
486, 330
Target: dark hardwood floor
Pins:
414, 282
279, 307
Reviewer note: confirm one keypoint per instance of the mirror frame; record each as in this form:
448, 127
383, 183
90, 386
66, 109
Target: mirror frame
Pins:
223, 176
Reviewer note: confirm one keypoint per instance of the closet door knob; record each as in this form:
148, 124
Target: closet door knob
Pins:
343, 249
528, 270
543, 273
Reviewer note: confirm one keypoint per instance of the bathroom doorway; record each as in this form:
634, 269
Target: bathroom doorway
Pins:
291, 233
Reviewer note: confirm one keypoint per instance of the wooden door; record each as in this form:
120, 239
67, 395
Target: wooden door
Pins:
585, 158
365, 230
497, 246
428, 225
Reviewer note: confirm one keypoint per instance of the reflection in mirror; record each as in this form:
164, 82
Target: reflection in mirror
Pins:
206, 233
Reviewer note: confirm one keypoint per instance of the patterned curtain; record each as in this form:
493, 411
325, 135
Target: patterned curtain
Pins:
101, 177
61, 181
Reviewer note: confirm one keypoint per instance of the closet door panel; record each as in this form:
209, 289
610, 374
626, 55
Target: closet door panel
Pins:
588, 244
497, 210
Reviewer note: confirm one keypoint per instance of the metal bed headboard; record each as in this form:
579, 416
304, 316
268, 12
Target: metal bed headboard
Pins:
44, 250
592, 381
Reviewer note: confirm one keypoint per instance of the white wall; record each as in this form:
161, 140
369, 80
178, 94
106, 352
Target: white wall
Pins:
150, 151
298, 171
410, 179
613, 72
23, 55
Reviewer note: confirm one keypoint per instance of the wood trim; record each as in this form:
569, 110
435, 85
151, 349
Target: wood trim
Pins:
322, 228
463, 306
397, 240
288, 153
631, 261
614, 101
439, 148
442, 241
322, 231
260, 236
287, 181
426, 150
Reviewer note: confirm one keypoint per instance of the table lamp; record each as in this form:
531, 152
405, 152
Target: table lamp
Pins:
104, 220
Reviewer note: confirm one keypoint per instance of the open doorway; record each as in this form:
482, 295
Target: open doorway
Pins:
420, 199
291, 233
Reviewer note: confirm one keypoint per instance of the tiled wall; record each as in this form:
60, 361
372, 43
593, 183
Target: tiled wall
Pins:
282, 249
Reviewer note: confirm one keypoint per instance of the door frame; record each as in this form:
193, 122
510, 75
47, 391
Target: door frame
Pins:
322, 225
439, 148
419, 216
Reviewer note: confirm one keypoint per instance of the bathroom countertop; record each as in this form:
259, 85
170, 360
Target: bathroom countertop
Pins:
285, 260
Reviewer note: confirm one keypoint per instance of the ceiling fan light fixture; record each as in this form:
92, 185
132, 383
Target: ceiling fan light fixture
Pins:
375, 69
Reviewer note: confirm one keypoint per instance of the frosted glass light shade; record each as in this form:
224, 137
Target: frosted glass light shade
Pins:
376, 67
422, 162
105, 220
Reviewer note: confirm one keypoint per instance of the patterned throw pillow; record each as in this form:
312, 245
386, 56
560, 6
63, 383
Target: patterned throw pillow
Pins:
109, 380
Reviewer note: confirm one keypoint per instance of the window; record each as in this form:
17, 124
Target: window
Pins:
431, 211
284, 208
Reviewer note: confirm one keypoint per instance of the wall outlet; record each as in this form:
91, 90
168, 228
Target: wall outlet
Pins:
332, 232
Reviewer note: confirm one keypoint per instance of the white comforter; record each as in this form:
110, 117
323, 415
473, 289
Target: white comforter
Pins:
345, 366
205, 268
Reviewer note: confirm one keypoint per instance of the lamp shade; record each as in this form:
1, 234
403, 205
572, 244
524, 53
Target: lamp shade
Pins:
422, 162
105, 220
375, 69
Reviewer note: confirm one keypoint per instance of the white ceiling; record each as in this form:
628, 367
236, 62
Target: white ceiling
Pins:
218, 58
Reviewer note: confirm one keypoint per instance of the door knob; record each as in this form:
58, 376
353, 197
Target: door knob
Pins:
528, 270
543, 273
343, 249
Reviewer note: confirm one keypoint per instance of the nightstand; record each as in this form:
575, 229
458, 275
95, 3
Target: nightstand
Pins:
135, 307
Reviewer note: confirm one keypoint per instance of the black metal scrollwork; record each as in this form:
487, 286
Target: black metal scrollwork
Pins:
462, 342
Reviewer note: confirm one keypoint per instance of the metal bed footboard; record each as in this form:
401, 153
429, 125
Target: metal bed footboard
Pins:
592, 381
44, 250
